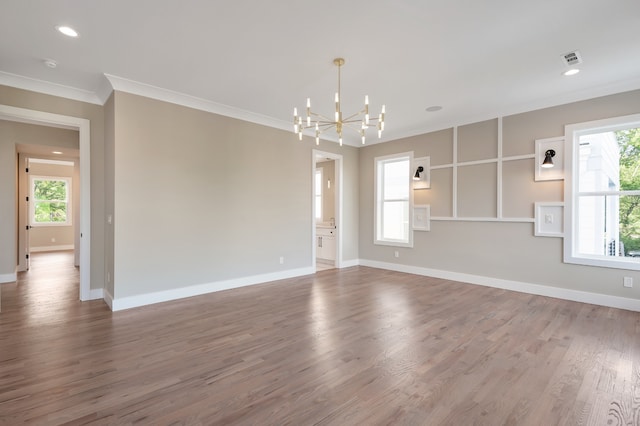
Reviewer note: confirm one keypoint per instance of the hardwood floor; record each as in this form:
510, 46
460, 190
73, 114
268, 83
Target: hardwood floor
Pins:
358, 346
324, 265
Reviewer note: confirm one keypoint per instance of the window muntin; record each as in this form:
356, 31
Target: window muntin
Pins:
393, 200
50, 202
603, 199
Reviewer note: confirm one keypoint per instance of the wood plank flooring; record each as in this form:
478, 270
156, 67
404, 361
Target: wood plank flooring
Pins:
357, 346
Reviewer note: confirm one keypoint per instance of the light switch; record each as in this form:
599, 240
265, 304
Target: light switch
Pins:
548, 218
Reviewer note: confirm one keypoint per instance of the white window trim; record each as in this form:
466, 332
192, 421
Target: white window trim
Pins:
376, 213
32, 202
573, 132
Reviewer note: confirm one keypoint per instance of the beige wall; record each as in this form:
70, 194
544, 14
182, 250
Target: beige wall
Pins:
47, 103
186, 212
193, 203
8, 207
211, 220
500, 250
32, 134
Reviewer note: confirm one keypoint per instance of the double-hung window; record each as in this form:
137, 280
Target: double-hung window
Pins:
603, 193
393, 200
50, 201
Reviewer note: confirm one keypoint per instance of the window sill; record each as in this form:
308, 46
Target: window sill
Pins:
393, 243
613, 262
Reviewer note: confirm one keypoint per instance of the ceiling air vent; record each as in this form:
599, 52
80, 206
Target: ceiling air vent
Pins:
572, 58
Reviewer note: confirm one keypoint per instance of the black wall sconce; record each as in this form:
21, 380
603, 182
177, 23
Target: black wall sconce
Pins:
419, 170
548, 159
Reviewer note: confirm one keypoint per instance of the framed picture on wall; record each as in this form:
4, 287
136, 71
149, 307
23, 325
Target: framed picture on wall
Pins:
422, 217
549, 219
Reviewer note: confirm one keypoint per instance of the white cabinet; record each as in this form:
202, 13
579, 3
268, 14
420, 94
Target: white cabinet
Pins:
326, 243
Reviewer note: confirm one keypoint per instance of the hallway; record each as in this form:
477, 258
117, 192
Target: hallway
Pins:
48, 291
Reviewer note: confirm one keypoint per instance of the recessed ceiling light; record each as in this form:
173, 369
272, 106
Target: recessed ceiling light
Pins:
56, 152
572, 71
434, 108
68, 31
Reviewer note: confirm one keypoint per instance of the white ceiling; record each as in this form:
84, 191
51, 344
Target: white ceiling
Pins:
259, 59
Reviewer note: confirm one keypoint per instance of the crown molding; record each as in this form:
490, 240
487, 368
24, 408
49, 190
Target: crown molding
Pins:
113, 82
41, 86
165, 95
158, 93
104, 90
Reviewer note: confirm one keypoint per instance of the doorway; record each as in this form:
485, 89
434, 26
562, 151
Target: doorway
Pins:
327, 210
82, 125
48, 211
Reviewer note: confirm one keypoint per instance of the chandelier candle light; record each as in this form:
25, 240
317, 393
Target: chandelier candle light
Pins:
360, 121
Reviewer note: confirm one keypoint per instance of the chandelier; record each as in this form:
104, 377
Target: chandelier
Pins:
359, 122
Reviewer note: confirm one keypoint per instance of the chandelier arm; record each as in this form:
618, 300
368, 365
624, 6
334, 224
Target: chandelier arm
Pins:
359, 122
321, 126
323, 123
321, 131
356, 129
322, 117
352, 116
353, 121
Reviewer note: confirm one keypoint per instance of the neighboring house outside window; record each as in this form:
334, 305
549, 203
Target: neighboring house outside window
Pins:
393, 200
50, 203
603, 193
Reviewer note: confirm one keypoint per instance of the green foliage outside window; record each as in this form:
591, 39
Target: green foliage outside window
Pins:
50, 201
629, 144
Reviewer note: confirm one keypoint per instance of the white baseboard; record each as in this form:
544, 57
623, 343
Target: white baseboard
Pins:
522, 287
96, 293
108, 299
8, 278
51, 248
119, 304
349, 263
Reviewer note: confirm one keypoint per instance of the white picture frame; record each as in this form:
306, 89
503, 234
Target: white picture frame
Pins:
422, 217
557, 171
549, 219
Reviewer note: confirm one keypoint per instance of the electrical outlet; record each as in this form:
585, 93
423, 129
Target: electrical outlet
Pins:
396, 253
282, 260
627, 282
548, 218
